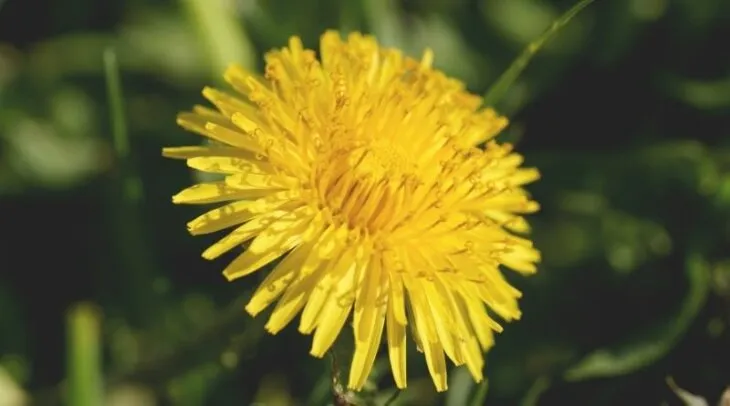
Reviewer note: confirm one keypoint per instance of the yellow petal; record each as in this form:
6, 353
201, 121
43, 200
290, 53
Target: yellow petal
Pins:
366, 349
430, 344
428, 336
216, 131
227, 103
255, 181
474, 358
368, 322
210, 114
228, 133
218, 164
278, 280
521, 258
198, 151
369, 287
479, 318
334, 315
524, 176
508, 220
333, 238
470, 346
236, 75
396, 345
443, 322
280, 230
280, 236
212, 192
242, 234
320, 292
221, 218
436, 364
421, 309
391, 264
293, 300
242, 211
296, 296
335, 311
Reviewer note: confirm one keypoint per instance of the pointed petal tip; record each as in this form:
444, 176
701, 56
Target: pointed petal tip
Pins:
234, 68
400, 384
441, 386
178, 198
228, 274
317, 354
208, 90
252, 310
305, 331
193, 231
209, 256
270, 329
354, 386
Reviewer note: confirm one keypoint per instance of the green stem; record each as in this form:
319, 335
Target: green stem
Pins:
481, 394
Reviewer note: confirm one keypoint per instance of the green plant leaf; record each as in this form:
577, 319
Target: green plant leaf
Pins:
657, 342
540, 386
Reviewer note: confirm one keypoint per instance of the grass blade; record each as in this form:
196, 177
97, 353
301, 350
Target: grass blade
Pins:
131, 252
85, 387
116, 106
500, 87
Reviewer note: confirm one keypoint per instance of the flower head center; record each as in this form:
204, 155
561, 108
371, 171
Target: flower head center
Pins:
359, 183
380, 159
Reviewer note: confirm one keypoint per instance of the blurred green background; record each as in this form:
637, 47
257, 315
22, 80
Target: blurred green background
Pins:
626, 112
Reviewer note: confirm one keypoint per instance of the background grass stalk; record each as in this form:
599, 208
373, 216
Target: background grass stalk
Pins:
501, 86
85, 383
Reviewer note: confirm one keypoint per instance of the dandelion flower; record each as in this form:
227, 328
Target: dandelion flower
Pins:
376, 183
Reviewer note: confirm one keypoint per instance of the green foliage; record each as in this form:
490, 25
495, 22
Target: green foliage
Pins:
638, 352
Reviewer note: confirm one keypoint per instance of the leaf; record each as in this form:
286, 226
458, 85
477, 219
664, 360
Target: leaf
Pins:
709, 95
657, 342
540, 386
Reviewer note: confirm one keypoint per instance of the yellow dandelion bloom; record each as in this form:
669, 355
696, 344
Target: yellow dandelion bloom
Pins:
376, 181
